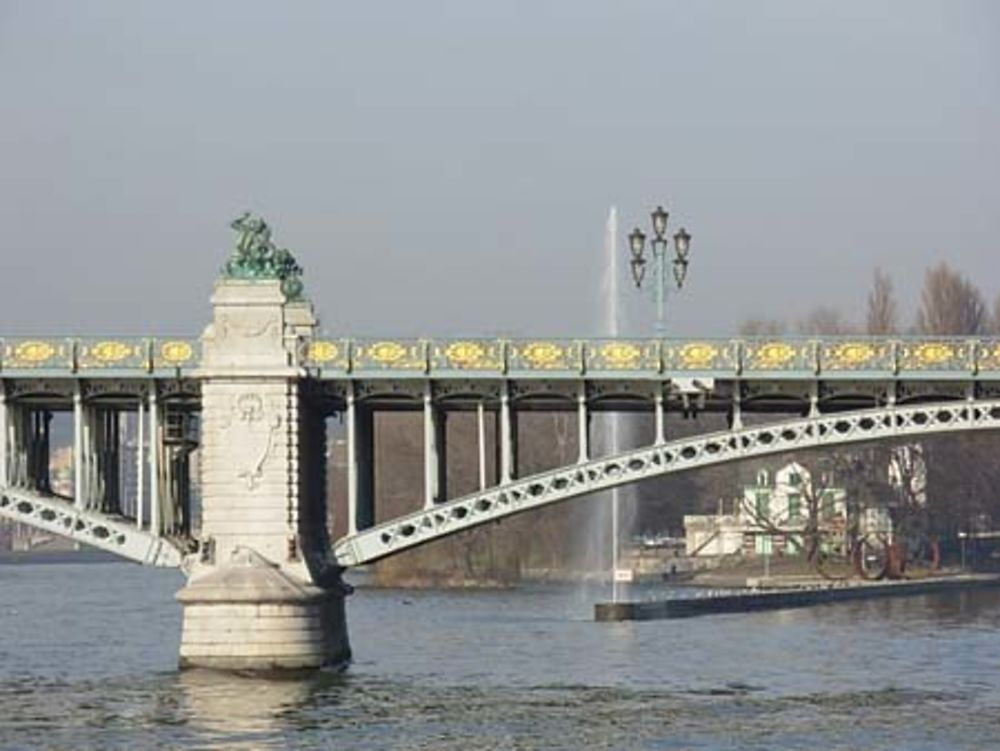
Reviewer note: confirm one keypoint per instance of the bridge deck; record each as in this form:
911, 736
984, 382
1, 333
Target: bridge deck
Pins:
764, 357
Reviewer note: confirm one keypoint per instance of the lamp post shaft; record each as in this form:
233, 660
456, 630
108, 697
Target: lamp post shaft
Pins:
659, 259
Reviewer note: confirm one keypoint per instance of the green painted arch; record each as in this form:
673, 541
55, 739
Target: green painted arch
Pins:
566, 483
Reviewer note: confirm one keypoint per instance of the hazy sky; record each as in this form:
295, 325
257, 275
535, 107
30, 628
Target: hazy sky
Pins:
442, 168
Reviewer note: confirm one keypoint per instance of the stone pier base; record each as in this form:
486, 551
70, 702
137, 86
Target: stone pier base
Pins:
249, 615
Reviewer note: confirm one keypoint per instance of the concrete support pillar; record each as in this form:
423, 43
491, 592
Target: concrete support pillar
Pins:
154, 462
661, 433
481, 442
351, 417
506, 436
79, 471
140, 463
582, 434
251, 615
431, 474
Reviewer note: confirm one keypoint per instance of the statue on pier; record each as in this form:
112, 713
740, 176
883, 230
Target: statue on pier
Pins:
257, 257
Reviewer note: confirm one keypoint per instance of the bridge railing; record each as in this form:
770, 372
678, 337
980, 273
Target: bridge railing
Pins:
98, 356
751, 357
760, 357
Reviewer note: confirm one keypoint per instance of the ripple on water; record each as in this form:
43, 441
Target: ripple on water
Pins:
89, 660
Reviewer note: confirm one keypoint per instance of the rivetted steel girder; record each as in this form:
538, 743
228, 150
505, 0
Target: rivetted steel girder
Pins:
62, 518
581, 479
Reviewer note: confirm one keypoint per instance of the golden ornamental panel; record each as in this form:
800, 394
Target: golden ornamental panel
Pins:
36, 354
699, 356
855, 355
936, 354
112, 353
176, 353
546, 354
622, 355
389, 354
988, 355
327, 353
467, 354
778, 355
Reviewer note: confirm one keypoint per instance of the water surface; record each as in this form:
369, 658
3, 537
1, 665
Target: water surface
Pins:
88, 656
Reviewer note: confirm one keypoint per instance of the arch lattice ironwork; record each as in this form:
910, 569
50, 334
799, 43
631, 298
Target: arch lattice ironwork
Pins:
562, 484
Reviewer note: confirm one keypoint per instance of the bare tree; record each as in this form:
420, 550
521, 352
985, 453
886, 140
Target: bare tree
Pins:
995, 328
761, 327
825, 321
810, 533
882, 311
950, 304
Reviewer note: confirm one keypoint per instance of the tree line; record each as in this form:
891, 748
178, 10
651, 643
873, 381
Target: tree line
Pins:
949, 305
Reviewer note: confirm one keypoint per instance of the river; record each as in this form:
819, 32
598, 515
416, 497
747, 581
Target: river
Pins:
88, 655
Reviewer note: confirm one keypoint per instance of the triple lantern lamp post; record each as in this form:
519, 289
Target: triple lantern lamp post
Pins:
659, 245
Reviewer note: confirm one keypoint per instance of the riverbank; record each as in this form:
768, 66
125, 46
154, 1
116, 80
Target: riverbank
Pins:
788, 597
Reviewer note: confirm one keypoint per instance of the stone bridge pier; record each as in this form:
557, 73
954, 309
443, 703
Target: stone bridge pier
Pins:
261, 594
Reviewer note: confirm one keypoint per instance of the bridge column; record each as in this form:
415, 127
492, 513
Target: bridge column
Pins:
91, 477
583, 437
441, 444
365, 437
506, 436
661, 433
43, 480
737, 407
481, 442
352, 460
261, 593
3, 433
107, 437
431, 469
15, 445
140, 462
154, 462
79, 491
814, 399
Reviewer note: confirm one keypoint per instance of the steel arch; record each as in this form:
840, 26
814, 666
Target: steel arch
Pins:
60, 517
561, 484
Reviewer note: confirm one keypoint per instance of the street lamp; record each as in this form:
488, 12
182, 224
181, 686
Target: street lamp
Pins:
659, 243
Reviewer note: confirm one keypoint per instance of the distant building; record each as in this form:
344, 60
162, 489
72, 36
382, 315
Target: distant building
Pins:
772, 514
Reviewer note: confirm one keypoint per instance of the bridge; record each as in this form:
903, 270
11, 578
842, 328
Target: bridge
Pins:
209, 453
